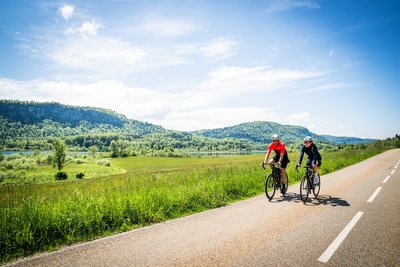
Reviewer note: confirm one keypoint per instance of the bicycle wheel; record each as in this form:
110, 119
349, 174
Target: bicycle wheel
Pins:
304, 188
317, 188
270, 187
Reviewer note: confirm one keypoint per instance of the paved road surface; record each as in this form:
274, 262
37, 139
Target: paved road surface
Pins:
255, 232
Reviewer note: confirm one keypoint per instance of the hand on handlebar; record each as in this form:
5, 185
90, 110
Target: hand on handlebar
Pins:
297, 167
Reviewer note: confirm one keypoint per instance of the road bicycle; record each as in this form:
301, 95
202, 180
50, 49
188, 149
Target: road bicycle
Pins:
307, 183
274, 181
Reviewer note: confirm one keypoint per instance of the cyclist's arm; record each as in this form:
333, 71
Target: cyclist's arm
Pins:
301, 155
316, 153
267, 155
283, 151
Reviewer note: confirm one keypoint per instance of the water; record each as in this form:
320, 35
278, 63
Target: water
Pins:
13, 152
30, 152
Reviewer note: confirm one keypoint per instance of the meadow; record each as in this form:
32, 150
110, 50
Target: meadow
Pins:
43, 216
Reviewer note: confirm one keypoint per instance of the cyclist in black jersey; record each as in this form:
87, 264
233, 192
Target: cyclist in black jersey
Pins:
314, 157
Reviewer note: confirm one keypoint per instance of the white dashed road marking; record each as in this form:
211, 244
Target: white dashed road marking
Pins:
386, 179
372, 197
339, 239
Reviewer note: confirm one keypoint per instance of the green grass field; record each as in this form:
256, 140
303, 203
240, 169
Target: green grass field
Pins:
44, 216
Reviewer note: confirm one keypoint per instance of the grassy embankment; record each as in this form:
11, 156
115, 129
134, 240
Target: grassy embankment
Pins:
39, 217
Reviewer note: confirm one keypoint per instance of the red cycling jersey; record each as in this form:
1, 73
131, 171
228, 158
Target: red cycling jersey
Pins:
278, 148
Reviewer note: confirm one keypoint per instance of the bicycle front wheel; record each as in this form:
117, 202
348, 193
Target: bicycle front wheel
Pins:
270, 187
317, 188
304, 188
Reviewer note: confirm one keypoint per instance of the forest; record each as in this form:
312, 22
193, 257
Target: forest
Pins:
28, 125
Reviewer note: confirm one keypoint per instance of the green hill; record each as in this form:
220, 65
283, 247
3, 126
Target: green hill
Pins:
261, 132
65, 118
30, 125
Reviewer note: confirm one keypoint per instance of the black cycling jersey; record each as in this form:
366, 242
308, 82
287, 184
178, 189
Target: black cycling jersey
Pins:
312, 153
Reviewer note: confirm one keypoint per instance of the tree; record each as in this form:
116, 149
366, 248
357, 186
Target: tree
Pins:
59, 154
114, 149
93, 150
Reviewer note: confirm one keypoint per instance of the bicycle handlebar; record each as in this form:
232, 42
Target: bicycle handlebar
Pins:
304, 166
271, 164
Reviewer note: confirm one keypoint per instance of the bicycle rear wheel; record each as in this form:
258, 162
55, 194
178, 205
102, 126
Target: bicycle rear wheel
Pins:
270, 187
317, 188
304, 188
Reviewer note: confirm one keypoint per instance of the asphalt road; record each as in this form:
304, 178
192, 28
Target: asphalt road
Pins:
256, 232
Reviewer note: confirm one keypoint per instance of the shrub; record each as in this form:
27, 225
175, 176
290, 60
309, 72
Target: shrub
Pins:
104, 162
79, 161
61, 176
9, 166
49, 159
79, 175
25, 164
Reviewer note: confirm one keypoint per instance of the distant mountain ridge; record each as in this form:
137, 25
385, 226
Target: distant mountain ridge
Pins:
29, 119
261, 132
35, 113
347, 140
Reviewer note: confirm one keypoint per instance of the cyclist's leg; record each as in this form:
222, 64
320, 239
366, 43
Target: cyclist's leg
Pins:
284, 175
284, 164
315, 165
272, 161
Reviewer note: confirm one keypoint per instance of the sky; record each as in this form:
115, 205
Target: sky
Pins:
330, 66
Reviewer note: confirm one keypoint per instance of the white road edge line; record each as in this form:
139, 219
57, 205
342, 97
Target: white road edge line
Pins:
339, 239
372, 197
396, 166
386, 179
392, 172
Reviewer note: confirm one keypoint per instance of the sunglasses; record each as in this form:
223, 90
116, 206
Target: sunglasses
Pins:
307, 142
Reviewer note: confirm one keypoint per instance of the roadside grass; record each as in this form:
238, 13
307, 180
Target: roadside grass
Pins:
44, 173
40, 217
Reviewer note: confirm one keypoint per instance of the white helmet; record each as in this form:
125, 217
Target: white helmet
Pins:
308, 139
275, 137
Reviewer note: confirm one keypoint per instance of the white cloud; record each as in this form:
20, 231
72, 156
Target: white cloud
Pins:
215, 117
97, 54
218, 48
283, 5
304, 119
331, 52
329, 86
66, 11
134, 102
205, 105
234, 80
88, 28
299, 118
166, 27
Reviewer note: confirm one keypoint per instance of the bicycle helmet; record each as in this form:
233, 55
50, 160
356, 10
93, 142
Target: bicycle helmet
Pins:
308, 139
275, 137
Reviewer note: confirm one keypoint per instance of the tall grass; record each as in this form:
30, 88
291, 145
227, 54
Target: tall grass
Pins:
38, 217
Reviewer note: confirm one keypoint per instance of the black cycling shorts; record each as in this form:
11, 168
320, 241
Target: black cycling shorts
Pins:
309, 162
285, 160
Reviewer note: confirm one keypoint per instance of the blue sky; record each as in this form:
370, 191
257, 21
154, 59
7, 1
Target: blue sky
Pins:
331, 66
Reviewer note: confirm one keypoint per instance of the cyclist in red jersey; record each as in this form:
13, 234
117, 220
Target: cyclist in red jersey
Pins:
280, 157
